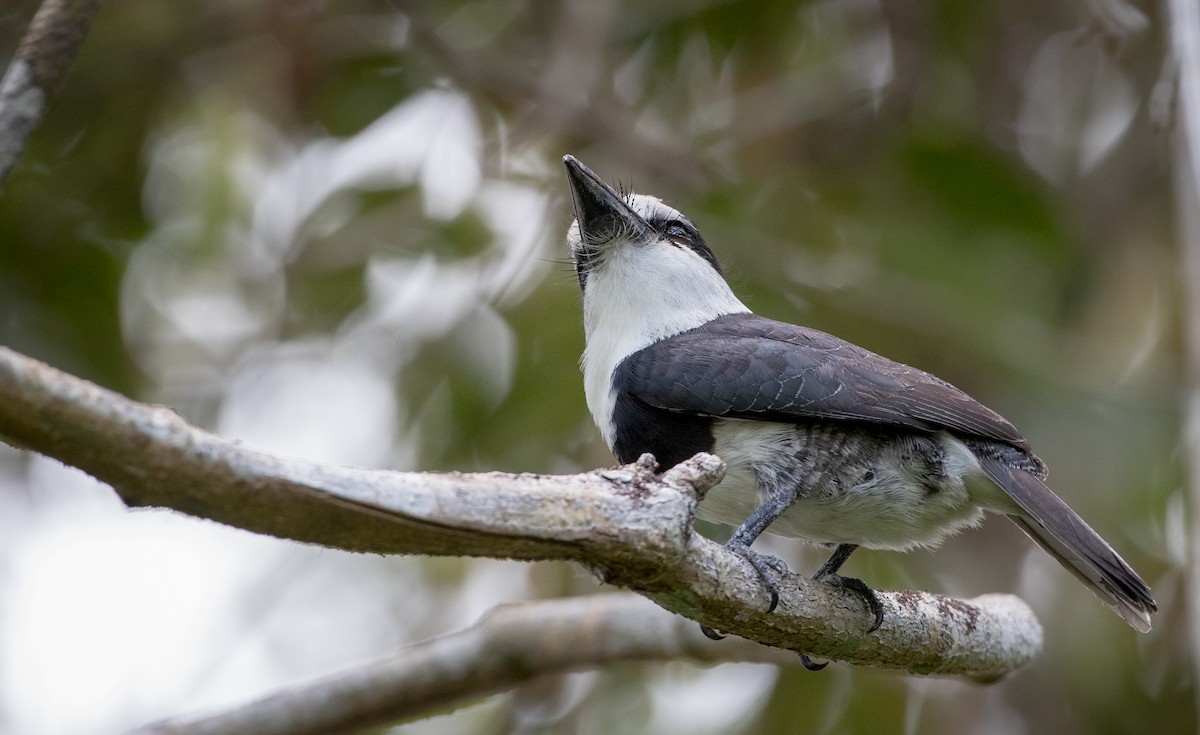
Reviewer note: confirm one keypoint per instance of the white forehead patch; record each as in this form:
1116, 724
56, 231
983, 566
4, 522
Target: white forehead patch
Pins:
652, 207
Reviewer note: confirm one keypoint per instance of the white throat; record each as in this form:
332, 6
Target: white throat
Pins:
639, 294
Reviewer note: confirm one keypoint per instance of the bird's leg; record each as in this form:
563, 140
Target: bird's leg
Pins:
766, 566
747, 533
828, 573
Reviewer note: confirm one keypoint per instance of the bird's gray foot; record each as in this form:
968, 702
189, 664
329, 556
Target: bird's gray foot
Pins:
768, 568
828, 573
860, 588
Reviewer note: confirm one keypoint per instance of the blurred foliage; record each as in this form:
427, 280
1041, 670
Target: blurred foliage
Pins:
334, 230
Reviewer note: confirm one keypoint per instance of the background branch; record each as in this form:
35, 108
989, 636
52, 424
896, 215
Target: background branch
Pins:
631, 526
42, 60
510, 645
1185, 50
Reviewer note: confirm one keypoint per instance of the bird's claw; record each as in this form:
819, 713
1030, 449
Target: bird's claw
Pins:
828, 573
861, 589
809, 664
766, 566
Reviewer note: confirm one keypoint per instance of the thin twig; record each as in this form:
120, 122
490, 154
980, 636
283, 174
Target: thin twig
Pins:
42, 60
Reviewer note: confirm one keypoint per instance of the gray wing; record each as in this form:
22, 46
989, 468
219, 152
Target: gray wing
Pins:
746, 366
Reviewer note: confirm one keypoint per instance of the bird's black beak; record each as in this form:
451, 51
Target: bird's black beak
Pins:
601, 212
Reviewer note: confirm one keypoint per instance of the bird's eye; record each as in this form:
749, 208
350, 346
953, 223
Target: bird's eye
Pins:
676, 230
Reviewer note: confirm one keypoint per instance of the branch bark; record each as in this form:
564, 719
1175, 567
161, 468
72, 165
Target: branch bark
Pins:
632, 527
42, 60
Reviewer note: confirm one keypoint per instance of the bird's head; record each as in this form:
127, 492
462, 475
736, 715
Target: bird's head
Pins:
642, 265
610, 226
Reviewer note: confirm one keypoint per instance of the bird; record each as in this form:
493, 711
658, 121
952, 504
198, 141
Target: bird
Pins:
823, 440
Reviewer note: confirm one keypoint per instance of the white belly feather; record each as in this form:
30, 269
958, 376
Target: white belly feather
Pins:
852, 488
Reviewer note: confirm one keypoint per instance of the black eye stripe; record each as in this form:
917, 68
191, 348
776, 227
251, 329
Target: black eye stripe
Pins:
683, 234
676, 229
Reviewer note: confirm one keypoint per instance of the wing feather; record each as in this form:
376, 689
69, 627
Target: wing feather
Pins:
747, 366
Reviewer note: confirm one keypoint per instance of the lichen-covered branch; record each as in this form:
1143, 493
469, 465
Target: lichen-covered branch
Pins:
631, 526
42, 60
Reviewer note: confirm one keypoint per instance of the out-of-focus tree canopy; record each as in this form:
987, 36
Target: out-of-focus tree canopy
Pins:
334, 230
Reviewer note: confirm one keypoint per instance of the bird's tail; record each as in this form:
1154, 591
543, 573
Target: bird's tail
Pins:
1065, 536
